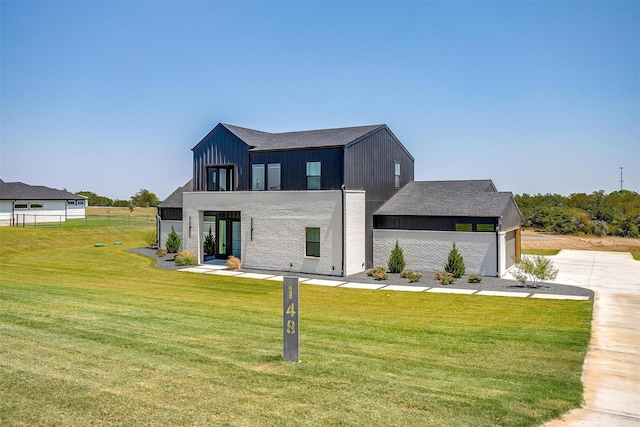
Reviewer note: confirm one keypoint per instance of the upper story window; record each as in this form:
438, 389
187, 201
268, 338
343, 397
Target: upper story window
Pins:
220, 178
71, 202
273, 176
257, 177
397, 174
272, 181
36, 205
313, 175
80, 202
20, 206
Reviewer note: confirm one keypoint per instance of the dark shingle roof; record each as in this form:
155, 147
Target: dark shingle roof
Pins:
447, 198
264, 141
22, 191
175, 199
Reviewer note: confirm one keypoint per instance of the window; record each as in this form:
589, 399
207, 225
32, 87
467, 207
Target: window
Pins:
220, 178
313, 175
36, 205
485, 227
312, 242
273, 176
80, 202
71, 202
257, 180
464, 227
397, 174
20, 206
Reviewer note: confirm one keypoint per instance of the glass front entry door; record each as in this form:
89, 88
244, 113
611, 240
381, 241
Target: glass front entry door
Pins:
228, 242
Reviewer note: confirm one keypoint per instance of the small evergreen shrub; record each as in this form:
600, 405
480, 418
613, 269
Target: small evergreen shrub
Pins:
412, 276
455, 263
233, 263
161, 252
396, 259
445, 278
151, 238
185, 257
474, 278
209, 243
378, 273
173, 242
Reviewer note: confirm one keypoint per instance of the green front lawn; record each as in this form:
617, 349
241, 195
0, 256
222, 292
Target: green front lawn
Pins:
99, 336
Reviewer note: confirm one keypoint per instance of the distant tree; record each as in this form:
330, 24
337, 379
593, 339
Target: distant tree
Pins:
95, 200
121, 203
144, 198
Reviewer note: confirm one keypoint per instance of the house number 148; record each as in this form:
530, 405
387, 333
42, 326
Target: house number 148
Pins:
290, 319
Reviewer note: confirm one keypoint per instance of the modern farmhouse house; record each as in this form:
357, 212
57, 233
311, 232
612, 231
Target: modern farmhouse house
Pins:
328, 202
21, 203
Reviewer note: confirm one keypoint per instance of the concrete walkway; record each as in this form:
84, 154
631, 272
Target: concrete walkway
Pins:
611, 375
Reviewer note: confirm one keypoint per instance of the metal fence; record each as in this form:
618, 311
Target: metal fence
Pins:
34, 221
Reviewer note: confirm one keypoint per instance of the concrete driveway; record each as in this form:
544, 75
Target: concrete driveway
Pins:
611, 375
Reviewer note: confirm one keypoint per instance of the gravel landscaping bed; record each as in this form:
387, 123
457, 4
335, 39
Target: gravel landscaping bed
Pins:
487, 283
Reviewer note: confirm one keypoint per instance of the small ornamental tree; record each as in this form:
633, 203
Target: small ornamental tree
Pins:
173, 242
455, 263
534, 269
209, 243
396, 259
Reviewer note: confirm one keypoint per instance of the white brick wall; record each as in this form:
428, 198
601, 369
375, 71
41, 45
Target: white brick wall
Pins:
279, 222
165, 229
428, 250
354, 232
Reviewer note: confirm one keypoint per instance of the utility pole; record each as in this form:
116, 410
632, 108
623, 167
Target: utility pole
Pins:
621, 180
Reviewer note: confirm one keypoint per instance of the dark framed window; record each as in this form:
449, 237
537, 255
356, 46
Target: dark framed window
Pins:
464, 227
396, 172
80, 202
312, 242
220, 178
36, 205
71, 202
20, 206
485, 227
314, 173
273, 176
257, 177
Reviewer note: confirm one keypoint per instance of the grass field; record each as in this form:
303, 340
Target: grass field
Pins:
541, 252
98, 336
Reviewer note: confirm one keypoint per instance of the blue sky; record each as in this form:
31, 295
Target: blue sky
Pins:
110, 96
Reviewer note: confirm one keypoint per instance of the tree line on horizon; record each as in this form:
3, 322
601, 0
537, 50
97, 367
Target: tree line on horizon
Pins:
143, 198
598, 213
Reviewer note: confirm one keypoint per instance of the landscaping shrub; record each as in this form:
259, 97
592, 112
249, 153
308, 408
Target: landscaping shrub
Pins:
185, 257
396, 259
455, 263
173, 242
412, 276
474, 278
161, 252
534, 269
445, 278
378, 273
234, 263
151, 238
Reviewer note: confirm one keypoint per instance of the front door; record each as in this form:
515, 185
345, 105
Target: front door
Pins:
228, 241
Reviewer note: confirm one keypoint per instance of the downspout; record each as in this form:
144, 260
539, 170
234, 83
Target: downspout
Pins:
344, 244
498, 249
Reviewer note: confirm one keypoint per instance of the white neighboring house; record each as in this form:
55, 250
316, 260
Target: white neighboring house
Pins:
22, 203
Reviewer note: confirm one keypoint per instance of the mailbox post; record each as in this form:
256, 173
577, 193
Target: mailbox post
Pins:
290, 316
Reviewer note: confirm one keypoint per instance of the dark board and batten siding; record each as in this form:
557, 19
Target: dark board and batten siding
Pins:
433, 223
293, 166
220, 147
369, 164
511, 216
